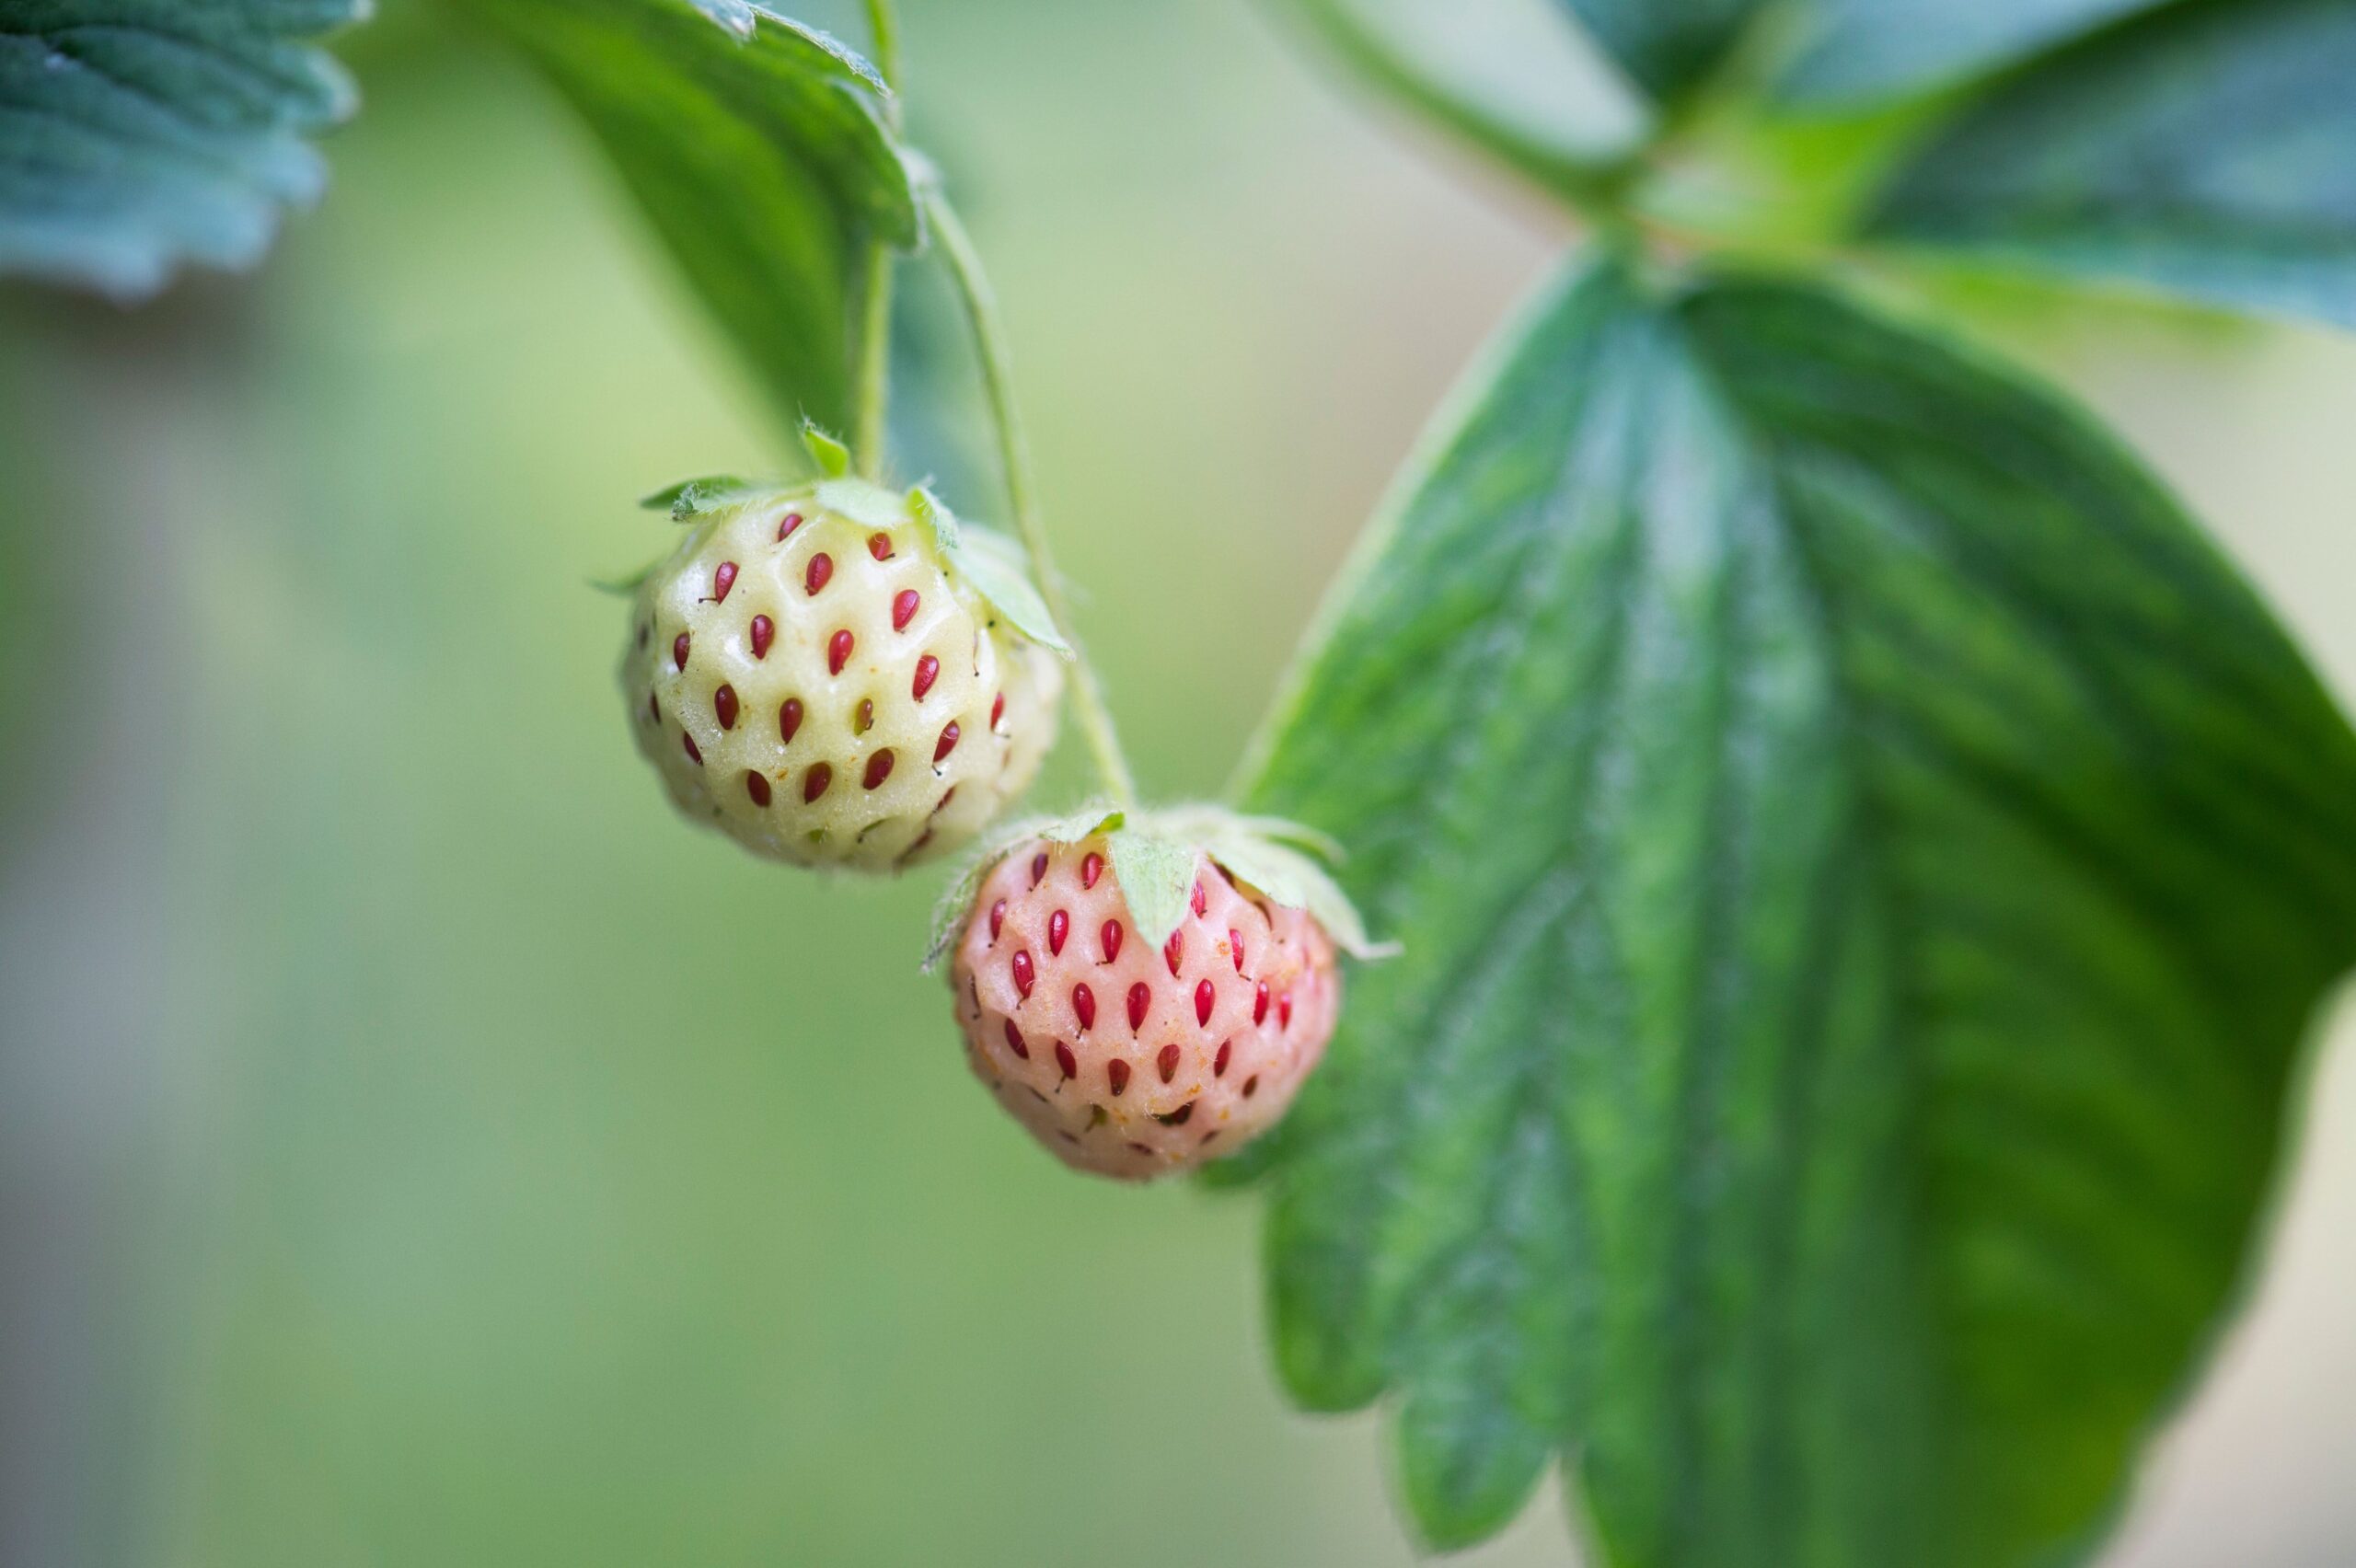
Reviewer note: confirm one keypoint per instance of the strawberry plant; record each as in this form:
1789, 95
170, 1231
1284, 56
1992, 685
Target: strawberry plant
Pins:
1764, 954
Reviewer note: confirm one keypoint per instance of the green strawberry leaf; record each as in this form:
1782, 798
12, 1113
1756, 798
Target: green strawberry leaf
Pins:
1666, 47
137, 135
1867, 868
1855, 50
2203, 150
758, 149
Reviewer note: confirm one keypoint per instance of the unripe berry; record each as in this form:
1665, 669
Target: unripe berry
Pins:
1130, 1058
829, 690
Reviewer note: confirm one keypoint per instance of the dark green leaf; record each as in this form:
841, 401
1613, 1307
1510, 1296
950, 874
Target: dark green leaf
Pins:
1868, 49
1866, 867
758, 147
139, 134
1666, 46
2205, 150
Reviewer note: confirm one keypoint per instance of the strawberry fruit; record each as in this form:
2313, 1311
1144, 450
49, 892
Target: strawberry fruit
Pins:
813, 673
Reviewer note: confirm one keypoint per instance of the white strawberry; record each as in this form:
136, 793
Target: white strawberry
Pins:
832, 676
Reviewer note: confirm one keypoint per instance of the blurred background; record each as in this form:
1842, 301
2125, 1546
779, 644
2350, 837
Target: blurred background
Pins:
419, 1146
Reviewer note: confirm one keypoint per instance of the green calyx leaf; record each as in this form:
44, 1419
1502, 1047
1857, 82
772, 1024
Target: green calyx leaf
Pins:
831, 455
869, 506
1281, 859
993, 566
1156, 857
627, 587
692, 498
1867, 868
141, 137
1156, 868
955, 905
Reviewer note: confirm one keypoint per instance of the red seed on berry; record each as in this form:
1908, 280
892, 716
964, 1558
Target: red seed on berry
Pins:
816, 575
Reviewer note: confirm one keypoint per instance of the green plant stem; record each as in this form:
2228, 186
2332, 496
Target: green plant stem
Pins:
870, 434
997, 377
1593, 189
883, 25
868, 438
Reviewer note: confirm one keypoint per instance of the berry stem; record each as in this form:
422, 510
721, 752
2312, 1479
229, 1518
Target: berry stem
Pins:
1014, 455
870, 434
1592, 189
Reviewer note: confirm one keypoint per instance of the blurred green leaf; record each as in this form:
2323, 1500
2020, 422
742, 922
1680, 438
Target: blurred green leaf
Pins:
1872, 49
1865, 866
758, 150
137, 135
1666, 46
2205, 150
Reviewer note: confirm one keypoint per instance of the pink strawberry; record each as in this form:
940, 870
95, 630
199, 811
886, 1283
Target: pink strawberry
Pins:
1127, 1057
830, 689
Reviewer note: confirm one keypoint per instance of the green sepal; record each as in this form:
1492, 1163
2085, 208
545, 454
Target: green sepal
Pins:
1155, 855
627, 587
869, 506
1156, 870
1280, 858
688, 497
831, 455
993, 566
955, 904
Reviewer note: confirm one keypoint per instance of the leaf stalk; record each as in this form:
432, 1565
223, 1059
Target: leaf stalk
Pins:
871, 430
1014, 454
1596, 190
